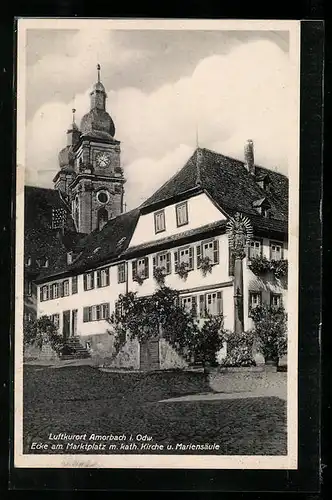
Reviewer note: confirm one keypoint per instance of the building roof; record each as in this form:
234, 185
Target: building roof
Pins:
228, 183
40, 239
225, 180
98, 247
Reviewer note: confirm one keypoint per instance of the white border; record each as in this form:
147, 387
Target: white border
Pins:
159, 461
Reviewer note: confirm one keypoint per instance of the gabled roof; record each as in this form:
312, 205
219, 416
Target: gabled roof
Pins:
228, 183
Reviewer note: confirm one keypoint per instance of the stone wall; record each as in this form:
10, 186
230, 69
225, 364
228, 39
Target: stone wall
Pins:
33, 352
101, 348
168, 357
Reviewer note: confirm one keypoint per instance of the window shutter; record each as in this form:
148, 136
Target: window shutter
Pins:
92, 279
202, 306
61, 289
194, 305
41, 294
74, 284
146, 266
51, 292
154, 263
219, 303
191, 258
119, 275
168, 263
84, 282
198, 255
98, 278
134, 267
176, 260
216, 251
107, 276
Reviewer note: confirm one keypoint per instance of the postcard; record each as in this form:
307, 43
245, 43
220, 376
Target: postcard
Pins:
157, 219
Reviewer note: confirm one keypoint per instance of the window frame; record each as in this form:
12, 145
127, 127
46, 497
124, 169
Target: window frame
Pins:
251, 293
281, 245
156, 214
66, 284
279, 295
255, 240
177, 208
55, 286
121, 268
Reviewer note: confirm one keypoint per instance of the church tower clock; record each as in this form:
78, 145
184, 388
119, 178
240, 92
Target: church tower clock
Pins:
90, 176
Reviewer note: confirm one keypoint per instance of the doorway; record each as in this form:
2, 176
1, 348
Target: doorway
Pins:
149, 354
66, 324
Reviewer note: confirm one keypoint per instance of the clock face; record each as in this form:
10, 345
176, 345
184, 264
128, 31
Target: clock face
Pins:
103, 159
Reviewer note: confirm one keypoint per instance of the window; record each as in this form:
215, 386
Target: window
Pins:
122, 272
88, 280
210, 304
103, 277
276, 251
214, 303
140, 268
208, 249
74, 285
163, 261
159, 221
55, 290
255, 300
276, 300
55, 318
66, 288
95, 313
44, 293
189, 304
181, 214
184, 255
255, 249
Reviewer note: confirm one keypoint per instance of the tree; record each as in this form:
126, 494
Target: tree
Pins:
40, 332
160, 315
270, 331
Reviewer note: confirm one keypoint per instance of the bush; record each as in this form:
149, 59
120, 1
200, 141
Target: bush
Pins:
40, 332
209, 340
239, 350
270, 331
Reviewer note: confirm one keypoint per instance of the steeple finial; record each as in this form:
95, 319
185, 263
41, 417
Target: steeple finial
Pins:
98, 71
74, 111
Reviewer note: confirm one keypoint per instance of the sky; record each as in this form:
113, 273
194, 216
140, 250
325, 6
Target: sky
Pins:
167, 91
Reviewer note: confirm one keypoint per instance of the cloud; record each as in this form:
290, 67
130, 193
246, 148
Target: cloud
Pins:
227, 98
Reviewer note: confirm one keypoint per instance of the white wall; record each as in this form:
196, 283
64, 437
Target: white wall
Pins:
201, 211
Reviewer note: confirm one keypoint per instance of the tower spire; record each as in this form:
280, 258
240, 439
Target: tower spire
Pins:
98, 72
74, 111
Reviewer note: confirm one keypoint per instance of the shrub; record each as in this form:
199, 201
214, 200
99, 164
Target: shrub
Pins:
270, 331
42, 331
209, 340
239, 350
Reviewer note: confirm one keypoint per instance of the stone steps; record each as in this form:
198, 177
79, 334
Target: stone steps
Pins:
79, 351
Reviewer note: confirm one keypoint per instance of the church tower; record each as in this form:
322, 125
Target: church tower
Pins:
90, 177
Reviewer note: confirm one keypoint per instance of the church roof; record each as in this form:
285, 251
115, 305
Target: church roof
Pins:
228, 183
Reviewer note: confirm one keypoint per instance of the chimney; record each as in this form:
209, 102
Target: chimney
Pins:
249, 159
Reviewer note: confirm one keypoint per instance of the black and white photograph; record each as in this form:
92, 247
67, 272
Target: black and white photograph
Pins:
157, 228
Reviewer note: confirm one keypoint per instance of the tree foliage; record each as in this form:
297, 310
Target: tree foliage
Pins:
270, 330
239, 349
160, 315
40, 332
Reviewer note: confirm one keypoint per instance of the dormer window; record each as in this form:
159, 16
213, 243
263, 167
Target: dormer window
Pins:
262, 206
28, 261
159, 221
43, 262
69, 258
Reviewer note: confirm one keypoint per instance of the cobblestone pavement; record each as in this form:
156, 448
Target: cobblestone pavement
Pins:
84, 400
